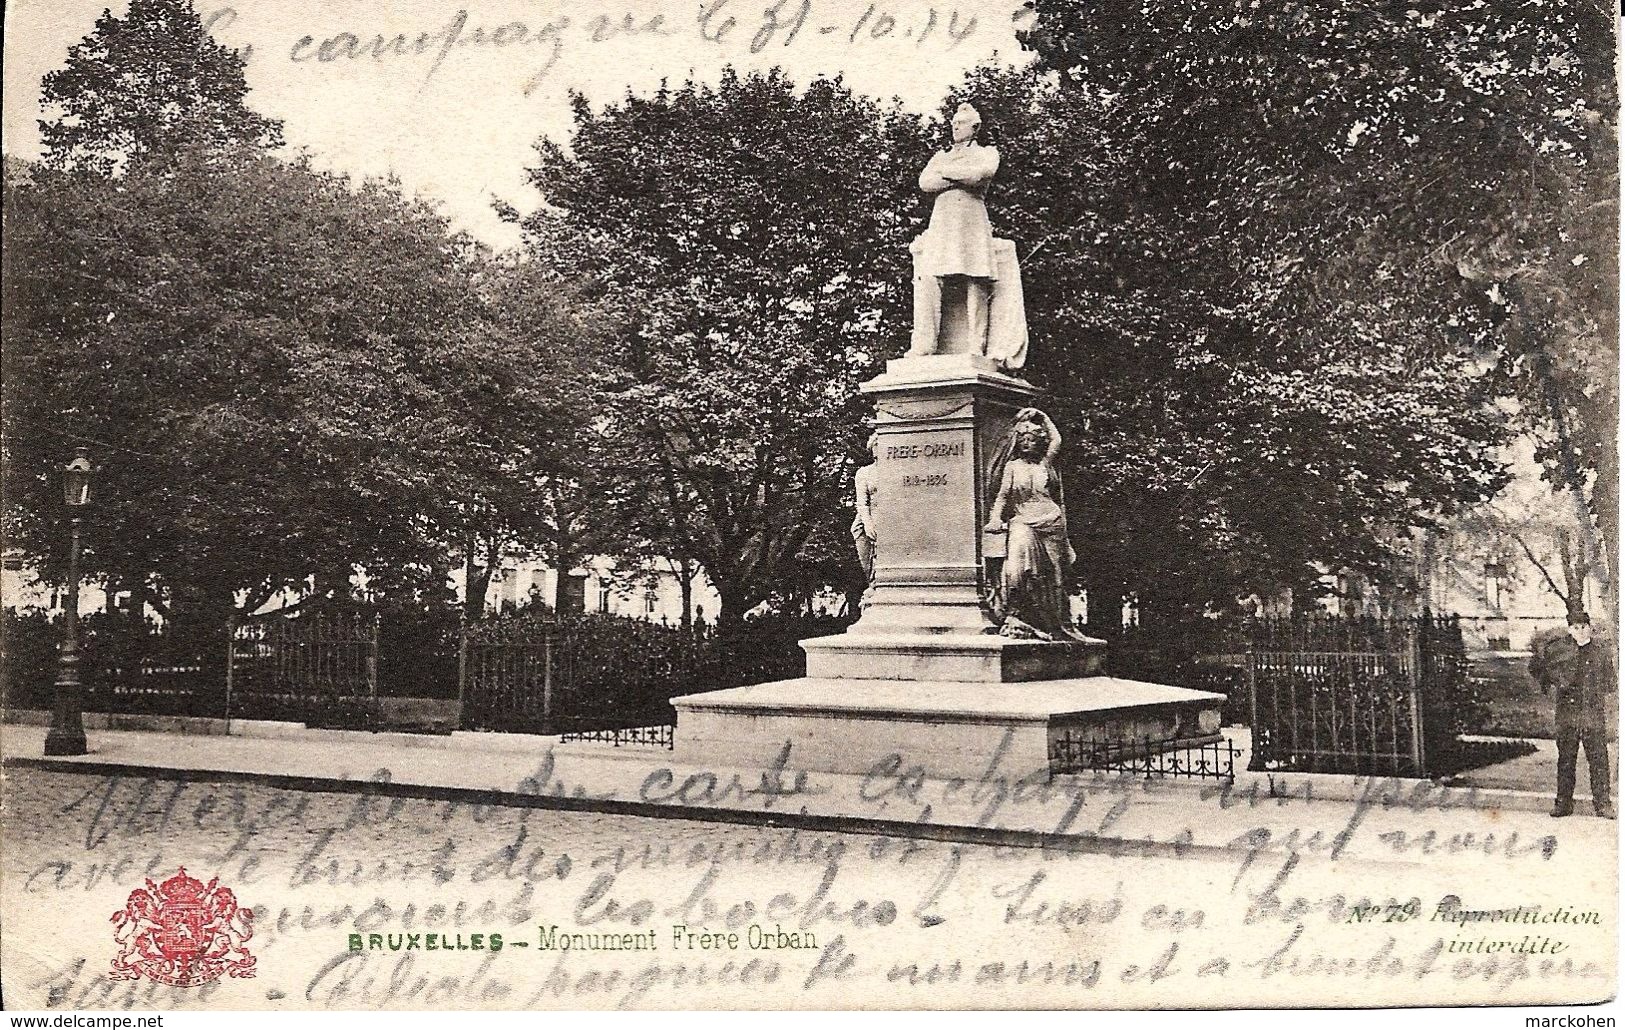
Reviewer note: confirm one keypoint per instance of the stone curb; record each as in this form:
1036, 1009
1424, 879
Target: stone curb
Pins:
1298, 786
1078, 843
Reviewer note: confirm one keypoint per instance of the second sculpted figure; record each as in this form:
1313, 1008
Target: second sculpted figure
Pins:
1030, 507
967, 285
864, 522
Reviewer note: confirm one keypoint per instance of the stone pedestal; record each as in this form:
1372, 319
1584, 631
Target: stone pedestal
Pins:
938, 420
923, 672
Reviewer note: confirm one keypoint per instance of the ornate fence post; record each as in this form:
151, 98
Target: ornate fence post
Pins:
372, 677
231, 660
462, 671
1417, 679
1254, 728
547, 676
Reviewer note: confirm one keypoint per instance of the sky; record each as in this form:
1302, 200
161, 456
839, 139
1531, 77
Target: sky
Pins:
454, 109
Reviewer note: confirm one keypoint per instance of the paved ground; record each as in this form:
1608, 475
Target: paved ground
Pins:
1155, 895
1535, 772
1522, 778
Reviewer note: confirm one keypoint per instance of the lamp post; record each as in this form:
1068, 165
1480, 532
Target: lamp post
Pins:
67, 735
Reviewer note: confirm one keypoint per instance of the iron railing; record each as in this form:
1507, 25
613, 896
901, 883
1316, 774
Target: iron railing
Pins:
126, 666
318, 669
594, 674
1079, 751
660, 736
1370, 697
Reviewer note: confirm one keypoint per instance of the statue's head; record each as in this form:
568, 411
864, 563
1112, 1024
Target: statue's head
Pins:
873, 445
966, 122
1032, 440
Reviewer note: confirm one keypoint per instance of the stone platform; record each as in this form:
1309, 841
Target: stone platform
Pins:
950, 729
957, 657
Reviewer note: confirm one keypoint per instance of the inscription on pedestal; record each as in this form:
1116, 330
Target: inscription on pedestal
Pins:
928, 492
925, 453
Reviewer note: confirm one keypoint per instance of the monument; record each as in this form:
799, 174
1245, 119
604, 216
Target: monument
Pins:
964, 651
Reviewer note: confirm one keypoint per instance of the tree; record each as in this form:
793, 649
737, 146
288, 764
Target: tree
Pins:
532, 478
267, 361
289, 377
1551, 267
751, 242
145, 86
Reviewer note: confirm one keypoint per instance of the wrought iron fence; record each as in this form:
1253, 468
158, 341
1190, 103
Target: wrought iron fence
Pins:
1078, 752
180, 682
417, 651
505, 676
1198, 654
588, 677
318, 669
1363, 696
1330, 711
126, 666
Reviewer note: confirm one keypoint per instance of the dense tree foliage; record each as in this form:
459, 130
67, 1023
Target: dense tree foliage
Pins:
1292, 276
285, 376
260, 356
751, 240
537, 489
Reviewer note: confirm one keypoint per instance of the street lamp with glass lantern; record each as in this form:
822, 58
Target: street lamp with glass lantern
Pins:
67, 735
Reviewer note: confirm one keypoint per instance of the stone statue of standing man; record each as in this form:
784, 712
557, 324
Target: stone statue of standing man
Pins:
967, 285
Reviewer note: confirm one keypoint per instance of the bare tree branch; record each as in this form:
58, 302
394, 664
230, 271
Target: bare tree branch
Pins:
1536, 562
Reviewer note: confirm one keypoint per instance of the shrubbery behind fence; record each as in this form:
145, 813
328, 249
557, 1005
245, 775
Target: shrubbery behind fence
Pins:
603, 672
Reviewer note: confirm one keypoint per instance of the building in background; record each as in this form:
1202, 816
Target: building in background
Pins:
21, 588
651, 589
1500, 566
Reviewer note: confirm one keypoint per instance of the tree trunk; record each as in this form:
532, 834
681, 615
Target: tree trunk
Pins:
332, 588
132, 625
476, 581
135, 581
731, 616
1591, 542
570, 594
685, 570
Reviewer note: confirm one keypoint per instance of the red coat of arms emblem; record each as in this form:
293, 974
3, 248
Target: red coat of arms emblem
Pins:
182, 933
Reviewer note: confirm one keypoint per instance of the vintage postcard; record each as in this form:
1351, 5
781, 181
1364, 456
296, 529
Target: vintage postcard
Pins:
809, 504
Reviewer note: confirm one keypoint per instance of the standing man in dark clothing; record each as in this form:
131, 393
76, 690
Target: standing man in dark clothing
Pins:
1584, 681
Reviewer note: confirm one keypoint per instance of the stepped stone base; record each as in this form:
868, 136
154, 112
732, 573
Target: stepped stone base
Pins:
949, 657
948, 729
